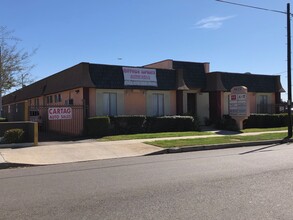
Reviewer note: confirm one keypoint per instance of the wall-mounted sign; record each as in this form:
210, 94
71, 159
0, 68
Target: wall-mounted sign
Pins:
139, 77
59, 113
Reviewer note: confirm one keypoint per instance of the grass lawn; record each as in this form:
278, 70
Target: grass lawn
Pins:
216, 140
179, 134
153, 135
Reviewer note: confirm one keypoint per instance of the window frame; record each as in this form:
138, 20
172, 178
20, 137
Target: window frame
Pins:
110, 105
158, 104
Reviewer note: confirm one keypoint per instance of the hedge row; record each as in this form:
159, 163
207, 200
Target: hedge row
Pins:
97, 126
3, 119
102, 126
254, 121
266, 121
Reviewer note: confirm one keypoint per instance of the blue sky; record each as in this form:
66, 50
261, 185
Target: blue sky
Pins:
139, 32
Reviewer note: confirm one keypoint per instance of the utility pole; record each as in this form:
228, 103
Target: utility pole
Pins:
289, 102
1, 83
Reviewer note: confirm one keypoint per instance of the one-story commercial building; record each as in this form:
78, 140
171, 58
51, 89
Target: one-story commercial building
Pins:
168, 87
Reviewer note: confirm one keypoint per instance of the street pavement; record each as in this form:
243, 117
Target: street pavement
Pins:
236, 183
47, 153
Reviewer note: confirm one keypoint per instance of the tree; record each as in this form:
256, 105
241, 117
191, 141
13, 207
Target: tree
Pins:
14, 63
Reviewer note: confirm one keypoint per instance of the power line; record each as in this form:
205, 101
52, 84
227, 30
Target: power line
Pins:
289, 102
254, 7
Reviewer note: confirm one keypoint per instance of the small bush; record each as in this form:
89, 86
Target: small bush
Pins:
102, 126
13, 136
266, 121
196, 122
128, 124
207, 121
171, 124
227, 123
98, 126
3, 120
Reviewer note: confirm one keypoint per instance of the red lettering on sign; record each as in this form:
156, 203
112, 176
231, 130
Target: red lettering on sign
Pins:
58, 113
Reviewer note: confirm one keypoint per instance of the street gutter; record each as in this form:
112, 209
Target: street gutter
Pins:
4, 164
220, 146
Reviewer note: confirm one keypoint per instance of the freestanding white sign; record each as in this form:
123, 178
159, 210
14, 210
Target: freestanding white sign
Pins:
59, 113
139, 77
239, 105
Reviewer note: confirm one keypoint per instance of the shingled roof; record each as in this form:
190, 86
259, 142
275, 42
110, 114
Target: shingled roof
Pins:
87, 75
223, 81
194, 75
190, 75
179, 76
71, 78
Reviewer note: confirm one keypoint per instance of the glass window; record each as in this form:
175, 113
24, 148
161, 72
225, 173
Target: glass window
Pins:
49, 99
110, 103
57, 98
36, 102
158, 104
263, 104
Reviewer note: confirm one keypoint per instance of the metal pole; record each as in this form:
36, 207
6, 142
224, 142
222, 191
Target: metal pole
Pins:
289, 70
1, 83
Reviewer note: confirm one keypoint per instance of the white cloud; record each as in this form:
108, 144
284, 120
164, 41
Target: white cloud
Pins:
212, 22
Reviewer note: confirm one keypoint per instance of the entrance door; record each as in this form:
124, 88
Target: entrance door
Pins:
191, 103
263, 104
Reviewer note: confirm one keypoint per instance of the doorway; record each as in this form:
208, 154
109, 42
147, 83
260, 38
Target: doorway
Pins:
191, 103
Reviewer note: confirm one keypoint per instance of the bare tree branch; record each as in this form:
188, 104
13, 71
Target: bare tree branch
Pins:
15, 64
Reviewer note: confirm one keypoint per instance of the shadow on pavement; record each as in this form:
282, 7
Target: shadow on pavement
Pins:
50, 136
262, 148
224, 132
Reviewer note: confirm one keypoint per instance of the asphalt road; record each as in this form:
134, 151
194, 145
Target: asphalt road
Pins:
242, 183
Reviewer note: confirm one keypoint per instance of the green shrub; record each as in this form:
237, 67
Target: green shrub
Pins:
171, 123
196, 122
266, 121
98, 126
3, 119
128, 124
227, 123
207, 121
102, 126
13, 136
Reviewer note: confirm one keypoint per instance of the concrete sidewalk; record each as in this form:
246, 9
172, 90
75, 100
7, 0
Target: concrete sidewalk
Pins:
77, 151
74, 152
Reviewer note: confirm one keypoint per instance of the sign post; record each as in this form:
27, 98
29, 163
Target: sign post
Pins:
239, 105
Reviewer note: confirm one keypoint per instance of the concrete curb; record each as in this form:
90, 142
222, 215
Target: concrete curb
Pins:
218, 146
16, 145
7, 165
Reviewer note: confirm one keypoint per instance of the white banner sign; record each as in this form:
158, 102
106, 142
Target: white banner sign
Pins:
139, 77
59, 113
